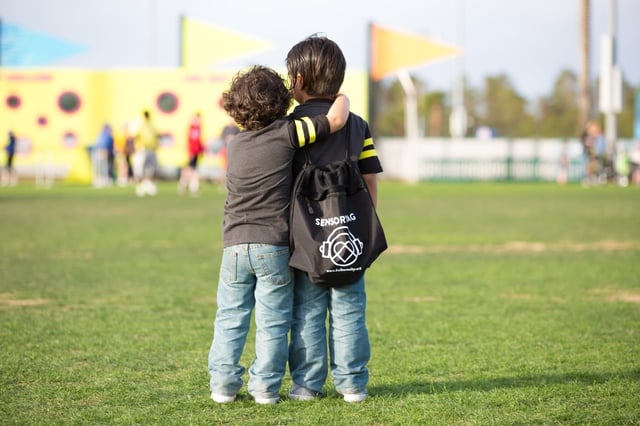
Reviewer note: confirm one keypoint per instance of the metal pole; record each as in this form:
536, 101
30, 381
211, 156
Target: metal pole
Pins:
411, 105
585, 73
411, 163
611, 131
458, 118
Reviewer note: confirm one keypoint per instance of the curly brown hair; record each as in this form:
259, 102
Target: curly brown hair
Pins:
256, 98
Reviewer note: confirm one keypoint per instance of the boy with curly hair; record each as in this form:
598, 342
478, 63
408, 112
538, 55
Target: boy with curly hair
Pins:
254, 271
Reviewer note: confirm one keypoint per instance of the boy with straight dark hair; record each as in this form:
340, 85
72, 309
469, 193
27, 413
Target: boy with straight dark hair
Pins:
316, 68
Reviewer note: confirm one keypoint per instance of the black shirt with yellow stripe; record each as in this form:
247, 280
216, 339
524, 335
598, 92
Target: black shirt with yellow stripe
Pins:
356, 131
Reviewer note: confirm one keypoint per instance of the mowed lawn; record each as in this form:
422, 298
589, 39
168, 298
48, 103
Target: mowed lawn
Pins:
496, 303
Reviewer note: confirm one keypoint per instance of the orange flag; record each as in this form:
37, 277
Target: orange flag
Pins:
392, 50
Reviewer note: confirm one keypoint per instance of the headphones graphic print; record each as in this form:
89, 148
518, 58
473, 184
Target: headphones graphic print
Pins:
342, 247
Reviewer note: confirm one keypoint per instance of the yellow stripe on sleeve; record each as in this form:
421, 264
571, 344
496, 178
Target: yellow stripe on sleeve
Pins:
368, 154
311, 128
300, 133
368, 150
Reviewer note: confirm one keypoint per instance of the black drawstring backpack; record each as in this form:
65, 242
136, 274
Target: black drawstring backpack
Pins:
335, 232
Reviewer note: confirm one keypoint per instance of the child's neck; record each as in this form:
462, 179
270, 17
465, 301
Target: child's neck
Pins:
303, 96
308, 98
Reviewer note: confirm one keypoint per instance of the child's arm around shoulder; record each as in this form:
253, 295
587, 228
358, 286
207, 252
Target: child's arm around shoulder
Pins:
339, 112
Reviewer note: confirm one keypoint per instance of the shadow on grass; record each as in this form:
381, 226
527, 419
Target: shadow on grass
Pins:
434, 387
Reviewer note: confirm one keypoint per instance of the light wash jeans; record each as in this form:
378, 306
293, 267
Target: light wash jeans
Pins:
349, 347
252, 275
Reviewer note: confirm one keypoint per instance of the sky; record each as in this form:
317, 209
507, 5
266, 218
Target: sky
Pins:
529, 41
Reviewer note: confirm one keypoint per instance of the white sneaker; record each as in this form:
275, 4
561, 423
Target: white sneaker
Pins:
222, 399
151, 188
355, 397
266, 401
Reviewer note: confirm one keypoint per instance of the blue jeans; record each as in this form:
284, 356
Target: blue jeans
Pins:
252, 275
349, 348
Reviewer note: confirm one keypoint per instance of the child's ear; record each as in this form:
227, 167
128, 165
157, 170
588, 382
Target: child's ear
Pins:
299, 82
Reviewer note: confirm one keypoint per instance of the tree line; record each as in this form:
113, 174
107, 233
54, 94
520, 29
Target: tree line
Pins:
498, 106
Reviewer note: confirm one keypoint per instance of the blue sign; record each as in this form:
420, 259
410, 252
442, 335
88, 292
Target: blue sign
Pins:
21, 47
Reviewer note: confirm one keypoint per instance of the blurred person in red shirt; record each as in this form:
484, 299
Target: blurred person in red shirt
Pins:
189, 177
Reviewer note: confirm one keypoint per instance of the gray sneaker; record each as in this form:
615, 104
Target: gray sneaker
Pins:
300, 393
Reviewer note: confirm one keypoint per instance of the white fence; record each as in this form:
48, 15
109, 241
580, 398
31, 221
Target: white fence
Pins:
476, 159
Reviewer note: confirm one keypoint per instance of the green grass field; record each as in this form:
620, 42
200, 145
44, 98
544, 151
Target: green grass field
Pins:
495, 304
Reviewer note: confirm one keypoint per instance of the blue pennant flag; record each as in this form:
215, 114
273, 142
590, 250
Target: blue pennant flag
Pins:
21, 47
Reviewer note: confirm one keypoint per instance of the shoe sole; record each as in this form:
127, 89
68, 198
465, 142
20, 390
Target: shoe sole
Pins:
266, 401
358, 397
223, 399
302, 397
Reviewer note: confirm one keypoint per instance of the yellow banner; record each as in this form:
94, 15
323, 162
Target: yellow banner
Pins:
203, 44
393, 50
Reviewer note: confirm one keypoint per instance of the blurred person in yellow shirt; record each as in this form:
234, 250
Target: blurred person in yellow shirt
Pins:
145, 159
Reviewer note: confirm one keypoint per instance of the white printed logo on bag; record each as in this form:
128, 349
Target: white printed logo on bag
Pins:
342, 247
